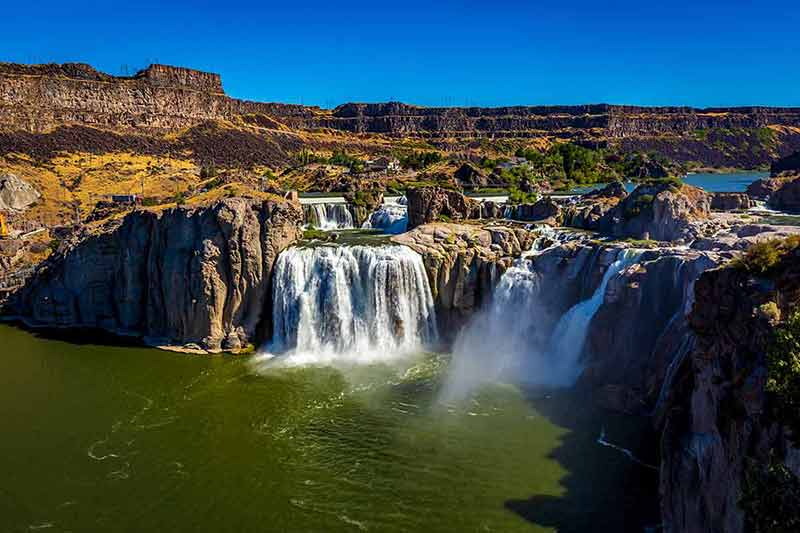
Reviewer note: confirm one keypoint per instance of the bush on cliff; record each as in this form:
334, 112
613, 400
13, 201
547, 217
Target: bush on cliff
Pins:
783, 373
763, 256
770, 498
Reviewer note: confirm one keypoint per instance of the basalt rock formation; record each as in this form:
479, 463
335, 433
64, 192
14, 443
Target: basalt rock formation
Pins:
789, 165
197, 278
718, 422
731, 201
430, 204
463, 263
661, 211
787, 196
42, 100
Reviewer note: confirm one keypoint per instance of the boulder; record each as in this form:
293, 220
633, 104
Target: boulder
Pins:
16, 194
429, 204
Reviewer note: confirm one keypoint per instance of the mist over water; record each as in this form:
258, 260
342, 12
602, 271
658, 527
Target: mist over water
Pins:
360, 304
513, 340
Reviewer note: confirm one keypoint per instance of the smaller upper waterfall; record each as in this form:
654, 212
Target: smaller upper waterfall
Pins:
355, 303
328, 216
390, 217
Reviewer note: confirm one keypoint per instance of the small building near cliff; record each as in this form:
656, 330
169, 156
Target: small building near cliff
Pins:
390, 165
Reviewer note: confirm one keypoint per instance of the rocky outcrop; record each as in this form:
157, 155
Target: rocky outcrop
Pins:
463, 263
731, 201
661, 211
431, 204
41, 98
196, 278
789, 165
16, 194
586, 211
717, 418
468, 176
762, 188
543, 210
787, 196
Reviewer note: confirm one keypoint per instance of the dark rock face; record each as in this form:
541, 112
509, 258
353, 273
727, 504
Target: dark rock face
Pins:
789, 164
787, 197
468, 176
362, 203
762, 188
186, 276
716, 417
731, 201
544, 209
428, 204
586, 212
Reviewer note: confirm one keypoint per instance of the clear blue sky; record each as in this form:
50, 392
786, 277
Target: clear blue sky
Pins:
437, 52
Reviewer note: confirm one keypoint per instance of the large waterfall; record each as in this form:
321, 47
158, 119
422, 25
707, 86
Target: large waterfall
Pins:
513, 339
328, 216
351, 303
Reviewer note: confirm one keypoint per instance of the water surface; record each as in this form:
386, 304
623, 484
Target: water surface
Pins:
105, 438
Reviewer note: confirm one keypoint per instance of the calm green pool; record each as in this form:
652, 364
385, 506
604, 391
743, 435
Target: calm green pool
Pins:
103, 438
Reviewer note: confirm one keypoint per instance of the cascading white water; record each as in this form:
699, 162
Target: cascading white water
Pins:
328, 216
508, 340
566, 343
350, 303
392, 218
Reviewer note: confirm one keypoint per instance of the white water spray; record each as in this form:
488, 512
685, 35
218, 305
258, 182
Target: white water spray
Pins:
350, 303
509, 340
392, 218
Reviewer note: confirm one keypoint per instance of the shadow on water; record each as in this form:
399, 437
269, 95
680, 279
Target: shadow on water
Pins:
604, 490
79, 336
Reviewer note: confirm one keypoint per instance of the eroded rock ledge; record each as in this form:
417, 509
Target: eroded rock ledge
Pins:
192, 278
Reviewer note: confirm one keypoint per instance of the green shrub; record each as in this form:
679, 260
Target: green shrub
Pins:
783, 373
763, 256
418, 160
770, 498
208, 170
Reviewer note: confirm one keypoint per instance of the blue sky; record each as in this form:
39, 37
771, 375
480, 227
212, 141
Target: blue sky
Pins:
701, 53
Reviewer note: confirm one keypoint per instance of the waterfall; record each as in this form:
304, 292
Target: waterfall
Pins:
350, 303
510, 339
328, 216
390, 217
566, 343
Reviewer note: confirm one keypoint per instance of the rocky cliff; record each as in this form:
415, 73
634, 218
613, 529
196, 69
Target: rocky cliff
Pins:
40, 98
719, 422
185, 277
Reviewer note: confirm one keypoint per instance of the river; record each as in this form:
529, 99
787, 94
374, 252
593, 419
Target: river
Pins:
124, 438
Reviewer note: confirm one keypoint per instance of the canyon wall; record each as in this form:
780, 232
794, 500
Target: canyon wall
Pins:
38, 98
185, 277
719, 423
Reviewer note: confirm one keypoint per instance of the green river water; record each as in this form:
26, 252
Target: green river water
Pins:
111, 438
